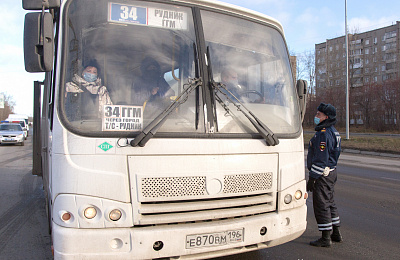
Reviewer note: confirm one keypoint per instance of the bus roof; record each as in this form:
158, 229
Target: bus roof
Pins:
230, 8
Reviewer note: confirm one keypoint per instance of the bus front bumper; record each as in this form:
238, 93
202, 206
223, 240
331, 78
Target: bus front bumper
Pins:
179, 239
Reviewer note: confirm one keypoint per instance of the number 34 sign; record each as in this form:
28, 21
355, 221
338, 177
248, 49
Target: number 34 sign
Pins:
148, 16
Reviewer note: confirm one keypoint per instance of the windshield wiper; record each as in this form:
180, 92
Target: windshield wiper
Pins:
262, 129
154, 125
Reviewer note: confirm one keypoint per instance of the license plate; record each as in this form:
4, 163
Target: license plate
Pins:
9, 139
214, 239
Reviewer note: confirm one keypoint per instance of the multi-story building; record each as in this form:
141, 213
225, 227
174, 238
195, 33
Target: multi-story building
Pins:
373, 58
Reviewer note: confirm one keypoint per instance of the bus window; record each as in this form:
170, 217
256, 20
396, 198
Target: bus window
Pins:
256, 56
142, 64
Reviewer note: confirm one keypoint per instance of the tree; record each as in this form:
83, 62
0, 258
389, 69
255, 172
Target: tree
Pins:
389, 97
9, 104
306, 70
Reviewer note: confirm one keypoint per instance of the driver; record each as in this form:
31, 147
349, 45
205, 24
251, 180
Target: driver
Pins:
151, 86
229, 77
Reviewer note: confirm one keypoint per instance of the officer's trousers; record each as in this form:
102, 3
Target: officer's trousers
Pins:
325, 210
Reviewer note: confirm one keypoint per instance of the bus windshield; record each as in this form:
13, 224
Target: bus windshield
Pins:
128, 61
251, 60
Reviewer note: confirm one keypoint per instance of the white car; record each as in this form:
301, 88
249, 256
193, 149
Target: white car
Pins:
11, 133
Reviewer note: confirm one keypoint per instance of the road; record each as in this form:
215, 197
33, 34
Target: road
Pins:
23, 228
367, 195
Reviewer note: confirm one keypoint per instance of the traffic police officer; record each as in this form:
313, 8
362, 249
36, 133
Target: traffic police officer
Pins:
323, 154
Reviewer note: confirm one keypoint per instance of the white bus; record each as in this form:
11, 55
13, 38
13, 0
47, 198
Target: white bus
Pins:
167, 157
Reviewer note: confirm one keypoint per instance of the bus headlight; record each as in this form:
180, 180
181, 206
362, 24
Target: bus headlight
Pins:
90, 212
298, 194
66, 216
115, 214
288, 198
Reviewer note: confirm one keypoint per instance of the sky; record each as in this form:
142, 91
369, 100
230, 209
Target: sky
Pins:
305, 22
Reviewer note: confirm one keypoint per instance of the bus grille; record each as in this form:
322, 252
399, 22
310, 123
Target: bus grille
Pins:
247, 182
167, 187
166, 200
170, 187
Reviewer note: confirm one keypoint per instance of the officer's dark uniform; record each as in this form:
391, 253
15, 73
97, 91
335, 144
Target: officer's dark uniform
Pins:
323, 154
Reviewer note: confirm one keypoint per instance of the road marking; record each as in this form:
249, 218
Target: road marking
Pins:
390, 179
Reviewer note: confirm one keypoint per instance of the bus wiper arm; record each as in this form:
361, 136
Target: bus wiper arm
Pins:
262, 129
154, 125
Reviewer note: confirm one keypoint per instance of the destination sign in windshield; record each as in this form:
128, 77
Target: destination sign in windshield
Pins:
148, 16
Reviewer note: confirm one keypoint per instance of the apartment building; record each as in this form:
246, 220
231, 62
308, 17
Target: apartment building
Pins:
373, 58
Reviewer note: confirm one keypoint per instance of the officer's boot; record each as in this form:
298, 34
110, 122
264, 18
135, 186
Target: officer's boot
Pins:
336, 236
324, 241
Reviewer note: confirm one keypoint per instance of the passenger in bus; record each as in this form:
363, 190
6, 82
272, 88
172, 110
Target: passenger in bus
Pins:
151, 86
85, 94
229, 77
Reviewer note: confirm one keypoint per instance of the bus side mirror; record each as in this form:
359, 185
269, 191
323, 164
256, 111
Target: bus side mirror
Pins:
302, 93
38, 4
38, 44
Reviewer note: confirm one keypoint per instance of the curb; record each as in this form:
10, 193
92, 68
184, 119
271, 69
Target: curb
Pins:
353, 151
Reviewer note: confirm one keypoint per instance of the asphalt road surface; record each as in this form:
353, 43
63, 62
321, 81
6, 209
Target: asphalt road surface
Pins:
367, 195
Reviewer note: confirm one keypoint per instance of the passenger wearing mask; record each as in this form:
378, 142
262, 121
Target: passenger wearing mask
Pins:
86, 96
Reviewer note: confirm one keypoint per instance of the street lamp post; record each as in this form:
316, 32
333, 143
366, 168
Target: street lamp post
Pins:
347, 75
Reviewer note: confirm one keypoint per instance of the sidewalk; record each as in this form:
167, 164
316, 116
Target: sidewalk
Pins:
353, 151
364, 152
370, 153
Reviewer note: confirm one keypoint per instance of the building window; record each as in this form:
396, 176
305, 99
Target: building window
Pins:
389, 35
389, 66
375, 79
366, 51
367, 42
330, 48
375, 40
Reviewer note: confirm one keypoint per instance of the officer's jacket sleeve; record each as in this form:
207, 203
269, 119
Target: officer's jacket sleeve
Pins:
310, 153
